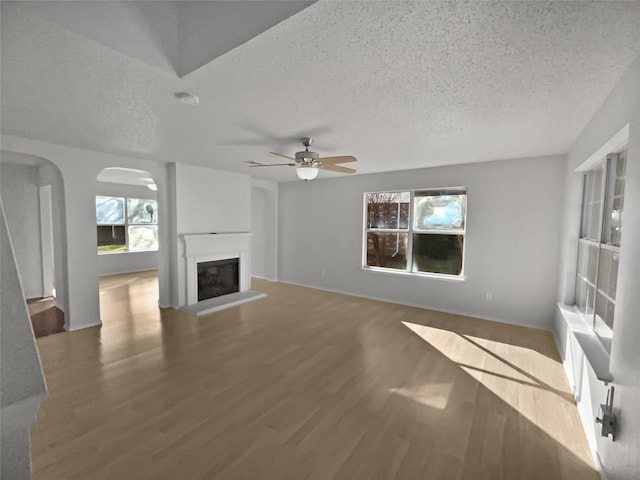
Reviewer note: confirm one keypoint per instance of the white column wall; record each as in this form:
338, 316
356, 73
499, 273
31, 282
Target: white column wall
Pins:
264, 226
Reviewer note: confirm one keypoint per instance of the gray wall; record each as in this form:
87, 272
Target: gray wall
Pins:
264, 221
620, 459
20, 194
125, 262
511, 246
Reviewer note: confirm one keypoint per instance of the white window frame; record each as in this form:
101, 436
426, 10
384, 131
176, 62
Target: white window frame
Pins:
126, 225
410, 232
608, 164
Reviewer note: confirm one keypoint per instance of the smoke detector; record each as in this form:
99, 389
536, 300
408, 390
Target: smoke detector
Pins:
187, 98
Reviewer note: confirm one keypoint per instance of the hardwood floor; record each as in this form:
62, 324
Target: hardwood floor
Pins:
46, 317
302, 384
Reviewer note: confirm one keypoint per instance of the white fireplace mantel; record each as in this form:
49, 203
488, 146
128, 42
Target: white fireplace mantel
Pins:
210, 247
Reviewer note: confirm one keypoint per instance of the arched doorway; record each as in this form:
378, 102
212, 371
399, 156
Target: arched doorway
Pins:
127, 233
34, 202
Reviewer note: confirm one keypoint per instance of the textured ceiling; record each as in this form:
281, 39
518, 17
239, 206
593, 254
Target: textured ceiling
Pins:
398, 84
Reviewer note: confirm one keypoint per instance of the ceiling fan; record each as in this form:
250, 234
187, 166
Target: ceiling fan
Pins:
309, 163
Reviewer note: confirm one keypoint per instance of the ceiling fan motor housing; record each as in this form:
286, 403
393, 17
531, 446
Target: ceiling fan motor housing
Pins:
306, 156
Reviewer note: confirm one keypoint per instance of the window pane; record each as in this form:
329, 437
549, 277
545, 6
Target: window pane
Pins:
581, 295
608, 272
142, 211
603, 323
592, 205
590, 303
437, 253
614, 211
438, 212
388, 210
111, 238
586, 205
109, 210
143, 237
585, 298
604, 310
588, 261
387, 250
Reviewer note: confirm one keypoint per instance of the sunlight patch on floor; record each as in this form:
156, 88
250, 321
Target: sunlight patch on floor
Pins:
500, 366
434, 396
115, 285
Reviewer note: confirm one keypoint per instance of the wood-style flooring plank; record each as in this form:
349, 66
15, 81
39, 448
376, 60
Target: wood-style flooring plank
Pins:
304, 385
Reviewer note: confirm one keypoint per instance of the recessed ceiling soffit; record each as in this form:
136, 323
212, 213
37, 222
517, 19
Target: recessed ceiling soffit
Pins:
176, 36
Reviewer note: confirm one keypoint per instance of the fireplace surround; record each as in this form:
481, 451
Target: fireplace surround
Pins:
215, 247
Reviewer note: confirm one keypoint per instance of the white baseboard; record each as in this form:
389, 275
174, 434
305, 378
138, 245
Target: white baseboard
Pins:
423, 307
265, 278
127, 271
80, 327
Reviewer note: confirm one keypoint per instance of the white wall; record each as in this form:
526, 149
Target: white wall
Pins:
264, 222
211, 200
125, 262
79, 169
511, 245
46, 239
50, 175
205, 201
123, 190
47, 174
20, 194
620, 459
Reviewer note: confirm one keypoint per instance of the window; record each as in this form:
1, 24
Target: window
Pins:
599, 244
126, 224
419, 231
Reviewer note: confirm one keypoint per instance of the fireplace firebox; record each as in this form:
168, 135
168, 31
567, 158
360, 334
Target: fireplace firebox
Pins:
217, 278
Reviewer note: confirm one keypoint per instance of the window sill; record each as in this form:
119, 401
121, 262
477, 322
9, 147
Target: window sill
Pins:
121, 252
437, 276
594, 351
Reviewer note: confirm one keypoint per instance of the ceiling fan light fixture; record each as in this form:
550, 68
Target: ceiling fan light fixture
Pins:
306, 172
308, 163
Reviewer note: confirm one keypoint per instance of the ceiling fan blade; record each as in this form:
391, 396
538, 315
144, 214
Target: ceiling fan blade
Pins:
281, 155
334, 160
338, 168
